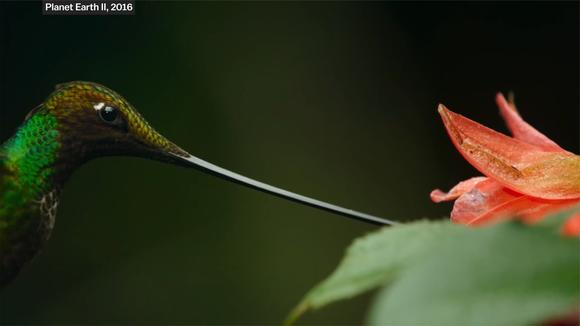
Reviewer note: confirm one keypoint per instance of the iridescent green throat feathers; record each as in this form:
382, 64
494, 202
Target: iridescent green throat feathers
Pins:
80, 121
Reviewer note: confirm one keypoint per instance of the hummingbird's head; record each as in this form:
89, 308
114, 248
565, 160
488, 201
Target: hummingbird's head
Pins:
94, 121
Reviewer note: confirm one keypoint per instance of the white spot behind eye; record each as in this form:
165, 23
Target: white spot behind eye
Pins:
99, 106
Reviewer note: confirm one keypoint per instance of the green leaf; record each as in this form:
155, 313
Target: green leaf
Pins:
508, 274
439, 273
375, 260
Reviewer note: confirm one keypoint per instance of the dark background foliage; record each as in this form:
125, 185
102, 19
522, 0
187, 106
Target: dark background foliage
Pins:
333, 100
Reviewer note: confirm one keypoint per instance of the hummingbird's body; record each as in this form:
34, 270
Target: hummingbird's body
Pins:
55, 138
80, 121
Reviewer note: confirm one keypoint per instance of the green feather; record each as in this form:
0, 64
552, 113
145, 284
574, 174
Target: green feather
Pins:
29, 155
26, 169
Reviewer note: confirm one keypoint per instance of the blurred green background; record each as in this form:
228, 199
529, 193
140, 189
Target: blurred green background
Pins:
333, 100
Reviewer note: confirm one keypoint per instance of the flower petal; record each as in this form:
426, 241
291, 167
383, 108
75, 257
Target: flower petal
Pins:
438, 196
527, 209
519, 166
490, 202
482, 199
521, 129
572, 226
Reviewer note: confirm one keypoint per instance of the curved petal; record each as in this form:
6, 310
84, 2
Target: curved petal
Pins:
490, 202
482, 199
527, 209
521, 129
519, 166
438, 196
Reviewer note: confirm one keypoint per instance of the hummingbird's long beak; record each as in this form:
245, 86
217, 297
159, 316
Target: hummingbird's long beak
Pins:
155, 146
192, 161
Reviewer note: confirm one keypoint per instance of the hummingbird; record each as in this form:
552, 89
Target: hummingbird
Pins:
80, 121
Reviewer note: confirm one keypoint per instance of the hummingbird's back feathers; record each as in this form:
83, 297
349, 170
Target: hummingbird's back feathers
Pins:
26, 212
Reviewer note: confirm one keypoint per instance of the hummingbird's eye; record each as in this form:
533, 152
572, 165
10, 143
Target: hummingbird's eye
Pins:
109, 114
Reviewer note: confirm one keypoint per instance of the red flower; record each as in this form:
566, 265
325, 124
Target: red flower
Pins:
527, 175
